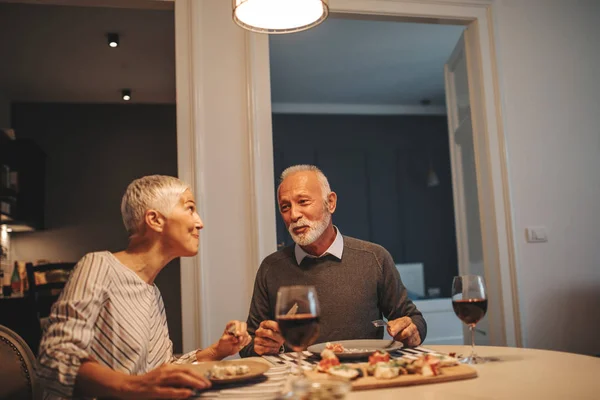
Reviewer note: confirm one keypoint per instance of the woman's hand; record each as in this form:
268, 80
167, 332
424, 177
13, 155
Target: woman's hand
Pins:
234, 338
168, 381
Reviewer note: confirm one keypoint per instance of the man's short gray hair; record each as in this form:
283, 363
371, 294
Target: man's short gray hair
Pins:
325, 188
153, 192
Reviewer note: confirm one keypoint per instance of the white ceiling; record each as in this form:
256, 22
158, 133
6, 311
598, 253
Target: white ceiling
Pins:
365, 62
59, 53
56, 53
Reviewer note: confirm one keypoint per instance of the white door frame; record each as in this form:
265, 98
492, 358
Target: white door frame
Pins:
188, 151
191, 134
223, 142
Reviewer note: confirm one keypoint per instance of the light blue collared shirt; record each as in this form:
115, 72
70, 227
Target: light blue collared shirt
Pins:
336, 249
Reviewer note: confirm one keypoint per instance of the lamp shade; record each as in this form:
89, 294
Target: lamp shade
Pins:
279, 16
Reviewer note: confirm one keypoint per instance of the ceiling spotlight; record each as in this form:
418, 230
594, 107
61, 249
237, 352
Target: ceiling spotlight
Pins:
113, 39
126, 93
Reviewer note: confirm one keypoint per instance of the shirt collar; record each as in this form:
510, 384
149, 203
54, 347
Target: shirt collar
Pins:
336, 249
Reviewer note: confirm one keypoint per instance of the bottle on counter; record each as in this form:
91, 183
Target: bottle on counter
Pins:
4, 246
22, 266
16, 282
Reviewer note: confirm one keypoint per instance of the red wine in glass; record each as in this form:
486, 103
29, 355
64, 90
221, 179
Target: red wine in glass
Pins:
469, 301
299, 330
470, 311
297, 313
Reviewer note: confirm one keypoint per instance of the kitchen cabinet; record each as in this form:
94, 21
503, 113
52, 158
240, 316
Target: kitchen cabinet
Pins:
22, 180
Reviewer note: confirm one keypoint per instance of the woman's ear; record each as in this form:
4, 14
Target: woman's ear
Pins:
154, 220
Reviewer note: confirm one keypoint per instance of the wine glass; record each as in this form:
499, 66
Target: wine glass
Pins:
469, 301
297, 313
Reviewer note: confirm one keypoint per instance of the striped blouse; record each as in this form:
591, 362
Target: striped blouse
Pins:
108, 314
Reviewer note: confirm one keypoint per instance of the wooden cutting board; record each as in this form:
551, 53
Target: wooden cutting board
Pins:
455, 373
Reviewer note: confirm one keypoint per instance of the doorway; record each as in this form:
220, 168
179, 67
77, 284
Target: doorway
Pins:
479, 189
364, 100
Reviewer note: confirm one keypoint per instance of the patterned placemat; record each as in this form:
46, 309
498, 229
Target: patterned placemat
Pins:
309, 360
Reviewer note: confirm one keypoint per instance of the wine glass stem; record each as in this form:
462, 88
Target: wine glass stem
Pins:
298, 364
472, 328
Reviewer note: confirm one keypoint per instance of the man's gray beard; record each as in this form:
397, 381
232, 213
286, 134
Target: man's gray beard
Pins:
315, 230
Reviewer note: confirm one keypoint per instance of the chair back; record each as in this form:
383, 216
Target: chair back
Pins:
46, 293
18, 372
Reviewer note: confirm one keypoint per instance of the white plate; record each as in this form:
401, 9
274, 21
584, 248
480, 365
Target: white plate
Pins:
256, 369
369, 346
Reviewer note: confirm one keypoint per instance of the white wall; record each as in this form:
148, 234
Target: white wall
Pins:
549, 55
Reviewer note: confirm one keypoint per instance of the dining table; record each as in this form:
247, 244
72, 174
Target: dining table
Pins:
509, 373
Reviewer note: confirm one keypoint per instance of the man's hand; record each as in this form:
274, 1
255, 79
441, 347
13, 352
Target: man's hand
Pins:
403, 330
165, 382
268, 339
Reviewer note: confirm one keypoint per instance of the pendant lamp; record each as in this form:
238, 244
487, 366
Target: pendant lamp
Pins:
432, 178
279, 16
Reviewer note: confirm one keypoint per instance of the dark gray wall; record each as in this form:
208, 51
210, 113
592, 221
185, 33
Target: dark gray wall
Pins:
93, 152
378, 166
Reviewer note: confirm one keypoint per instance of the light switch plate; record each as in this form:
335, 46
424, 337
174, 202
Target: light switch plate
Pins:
536, 234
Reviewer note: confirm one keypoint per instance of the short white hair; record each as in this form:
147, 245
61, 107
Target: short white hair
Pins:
323, 182
152, 192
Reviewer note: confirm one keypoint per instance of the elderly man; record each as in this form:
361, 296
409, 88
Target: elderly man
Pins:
356, 281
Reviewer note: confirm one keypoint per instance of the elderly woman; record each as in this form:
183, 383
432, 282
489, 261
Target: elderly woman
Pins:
107, 334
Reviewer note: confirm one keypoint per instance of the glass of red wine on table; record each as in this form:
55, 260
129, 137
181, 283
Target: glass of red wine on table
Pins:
469, 301
297, 313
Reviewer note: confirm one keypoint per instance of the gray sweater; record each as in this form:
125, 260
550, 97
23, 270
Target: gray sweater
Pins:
361, 287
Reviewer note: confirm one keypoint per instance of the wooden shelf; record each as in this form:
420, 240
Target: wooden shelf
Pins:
5, 217
15, 224
19, 226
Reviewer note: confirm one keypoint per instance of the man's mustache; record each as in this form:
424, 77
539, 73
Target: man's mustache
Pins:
299, 224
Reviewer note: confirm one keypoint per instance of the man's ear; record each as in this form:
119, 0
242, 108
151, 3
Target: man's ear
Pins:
331, 202
154, 220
